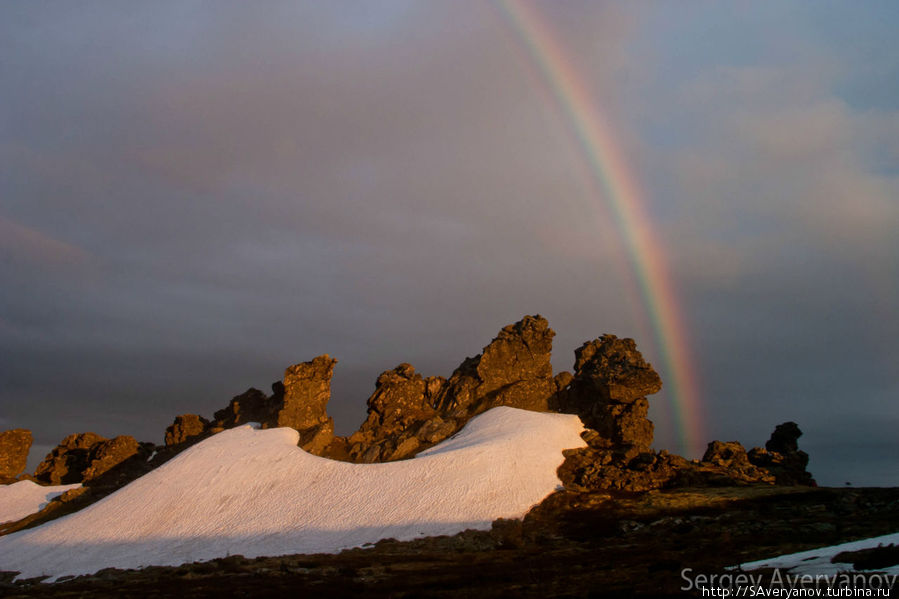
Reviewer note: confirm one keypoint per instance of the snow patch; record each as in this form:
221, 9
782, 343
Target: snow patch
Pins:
255, 493
817, 561
25, 498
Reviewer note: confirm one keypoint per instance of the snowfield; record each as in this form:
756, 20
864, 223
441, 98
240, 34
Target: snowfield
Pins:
25, 498
255, 493
817, 561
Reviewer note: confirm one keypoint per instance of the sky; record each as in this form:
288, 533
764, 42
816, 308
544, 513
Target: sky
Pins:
195, 195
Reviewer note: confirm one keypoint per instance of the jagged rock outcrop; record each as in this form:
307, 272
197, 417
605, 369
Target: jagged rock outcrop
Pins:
303, 406
608, 389
513, 370
731, 457
250, 406
14, 447
782, 456
408, 413
401, 418
299, 401
185, 426
82, 457
594, 469
109, 454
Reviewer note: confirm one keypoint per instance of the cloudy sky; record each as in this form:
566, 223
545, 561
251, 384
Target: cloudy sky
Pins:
195, 195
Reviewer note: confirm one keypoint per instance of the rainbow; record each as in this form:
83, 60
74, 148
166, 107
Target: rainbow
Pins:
614, 181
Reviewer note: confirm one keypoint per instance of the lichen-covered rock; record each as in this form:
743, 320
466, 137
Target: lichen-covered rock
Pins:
298, 401
607, 391
106, 455
616, 369
307, 389
401, 417
185, 426
66, 463
303, 406
513, 370
82, 457
14, 447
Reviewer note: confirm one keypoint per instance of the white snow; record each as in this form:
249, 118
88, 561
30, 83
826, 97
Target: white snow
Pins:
254, 493
25, 498
817, 561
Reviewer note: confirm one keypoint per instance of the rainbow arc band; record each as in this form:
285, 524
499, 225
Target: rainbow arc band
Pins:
616, 185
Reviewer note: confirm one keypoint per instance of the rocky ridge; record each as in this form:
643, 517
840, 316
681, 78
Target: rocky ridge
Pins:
83, 457
409, 412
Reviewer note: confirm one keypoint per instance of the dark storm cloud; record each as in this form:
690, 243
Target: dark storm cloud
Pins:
194, 196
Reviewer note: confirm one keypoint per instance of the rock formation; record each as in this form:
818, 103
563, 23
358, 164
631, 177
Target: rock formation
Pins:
513, 370
109, 454
14, 446
732, 458
303, 406
250, 406
82, 457
608, 391
298, 401
408, 412
401, 417
186, 426
782, 456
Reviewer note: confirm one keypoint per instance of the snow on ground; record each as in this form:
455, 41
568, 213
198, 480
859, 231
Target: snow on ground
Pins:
817, 561
254, 493
25, 498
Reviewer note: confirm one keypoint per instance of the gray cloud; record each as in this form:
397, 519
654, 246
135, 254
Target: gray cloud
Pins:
193, 198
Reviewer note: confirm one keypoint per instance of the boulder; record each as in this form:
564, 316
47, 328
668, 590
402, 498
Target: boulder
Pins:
298, 401
106, 455
607, 391
303, 405
401, 417
250, 406
513, 370
732, 458
785, 438
616, 369
14, 447
66, 463
82, 457
185, 426
782, 456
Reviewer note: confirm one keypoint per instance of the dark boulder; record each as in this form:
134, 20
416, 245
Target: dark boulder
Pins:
782, 456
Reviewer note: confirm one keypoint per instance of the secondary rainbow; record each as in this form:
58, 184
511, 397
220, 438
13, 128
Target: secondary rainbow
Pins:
616, 184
